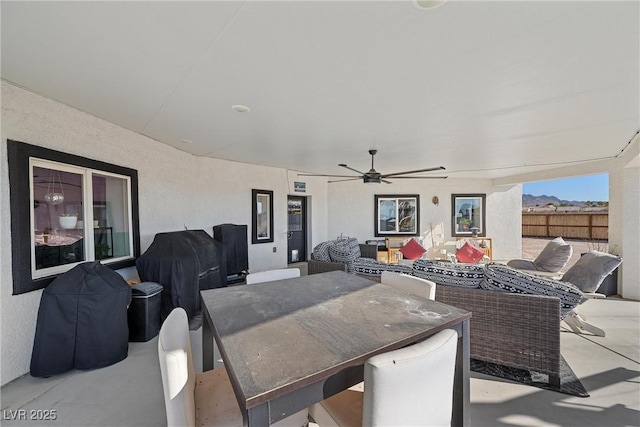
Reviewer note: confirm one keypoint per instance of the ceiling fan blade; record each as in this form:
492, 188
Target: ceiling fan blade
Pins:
331, 176
389, 175
342, 180
385, 181
420, 177
351, 169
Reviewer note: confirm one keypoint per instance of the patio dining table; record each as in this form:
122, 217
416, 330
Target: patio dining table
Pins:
290, 343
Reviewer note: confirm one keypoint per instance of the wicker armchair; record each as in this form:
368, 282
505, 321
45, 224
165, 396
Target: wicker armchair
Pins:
315, 266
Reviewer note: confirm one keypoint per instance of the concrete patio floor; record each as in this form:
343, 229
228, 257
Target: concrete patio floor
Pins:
129, 393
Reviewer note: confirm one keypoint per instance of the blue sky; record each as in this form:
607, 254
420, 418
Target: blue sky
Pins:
582, 188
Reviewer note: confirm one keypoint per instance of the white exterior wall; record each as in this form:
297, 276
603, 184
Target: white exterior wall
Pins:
351, 209
175, 189
629, 286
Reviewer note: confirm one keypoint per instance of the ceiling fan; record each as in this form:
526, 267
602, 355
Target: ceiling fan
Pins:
375, 177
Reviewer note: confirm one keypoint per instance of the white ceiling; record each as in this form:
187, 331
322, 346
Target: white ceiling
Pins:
486, 89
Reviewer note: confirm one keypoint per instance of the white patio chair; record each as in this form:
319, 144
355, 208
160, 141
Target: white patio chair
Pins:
411, 284
206, 399
271, 275
392, 395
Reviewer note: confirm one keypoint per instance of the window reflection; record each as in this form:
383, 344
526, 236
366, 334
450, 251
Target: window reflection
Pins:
70, 224
57, 217
110, 217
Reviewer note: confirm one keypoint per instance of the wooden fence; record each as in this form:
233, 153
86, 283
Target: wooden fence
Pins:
590, 226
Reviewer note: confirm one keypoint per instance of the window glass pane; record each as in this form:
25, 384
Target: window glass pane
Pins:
112, 227
57, 217
387, 215
295, 215
406, 215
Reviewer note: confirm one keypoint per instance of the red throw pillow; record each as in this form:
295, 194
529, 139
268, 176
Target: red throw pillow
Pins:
412, 250
469, 254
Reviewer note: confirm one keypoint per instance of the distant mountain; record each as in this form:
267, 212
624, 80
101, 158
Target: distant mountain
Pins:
529, 200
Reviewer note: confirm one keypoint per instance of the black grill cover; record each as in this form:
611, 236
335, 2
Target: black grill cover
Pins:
183, 262
82, 321
234, 239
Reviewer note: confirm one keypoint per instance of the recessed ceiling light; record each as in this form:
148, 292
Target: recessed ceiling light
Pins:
240, 108
428, 4
185, 141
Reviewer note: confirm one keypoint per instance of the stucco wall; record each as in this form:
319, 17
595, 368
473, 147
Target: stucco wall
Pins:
351, 209
176, 190
631, 246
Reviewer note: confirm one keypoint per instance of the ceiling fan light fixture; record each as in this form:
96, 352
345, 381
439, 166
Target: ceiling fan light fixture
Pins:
371, 179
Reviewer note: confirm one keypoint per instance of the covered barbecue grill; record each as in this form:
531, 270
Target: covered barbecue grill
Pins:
82, 321
183, 262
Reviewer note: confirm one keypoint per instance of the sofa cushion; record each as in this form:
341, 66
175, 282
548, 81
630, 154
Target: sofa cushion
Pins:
591, 269
372, 268
499, 277
469, 254
446, 273
321, 251
412, 250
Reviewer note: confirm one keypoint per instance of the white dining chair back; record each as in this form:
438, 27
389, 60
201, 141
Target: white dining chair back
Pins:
192, 399
411, 386
271, 275
410, 284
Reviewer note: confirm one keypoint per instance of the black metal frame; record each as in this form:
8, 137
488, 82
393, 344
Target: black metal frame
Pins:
18, 154
483, 212
376, 224
255, 239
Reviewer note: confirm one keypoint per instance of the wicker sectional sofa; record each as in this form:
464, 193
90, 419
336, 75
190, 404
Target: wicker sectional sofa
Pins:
518, 330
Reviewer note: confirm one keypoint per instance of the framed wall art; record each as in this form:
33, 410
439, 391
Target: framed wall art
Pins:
261, 216
468, 215
397, 215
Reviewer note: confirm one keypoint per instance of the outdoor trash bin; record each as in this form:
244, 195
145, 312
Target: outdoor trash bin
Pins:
144, 311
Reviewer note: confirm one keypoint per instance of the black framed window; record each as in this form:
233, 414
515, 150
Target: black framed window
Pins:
67, 209
397, 215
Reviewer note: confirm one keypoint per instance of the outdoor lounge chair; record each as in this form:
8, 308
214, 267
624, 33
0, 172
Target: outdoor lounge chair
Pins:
550, 261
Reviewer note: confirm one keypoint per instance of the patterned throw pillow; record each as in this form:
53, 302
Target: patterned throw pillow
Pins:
341, 251
321, 251
502, 278
412, 250
591, 269
372, 268
469, 254
446, 273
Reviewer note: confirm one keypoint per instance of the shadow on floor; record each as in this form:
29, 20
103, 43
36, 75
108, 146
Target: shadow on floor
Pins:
556, 408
